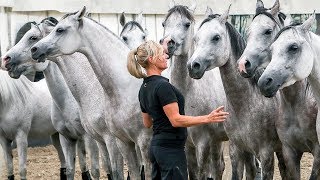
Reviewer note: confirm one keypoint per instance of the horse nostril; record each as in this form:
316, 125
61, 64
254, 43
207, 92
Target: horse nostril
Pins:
7, 59
269, 81
161, 41
34, 49
196, 66
171, 43
247, 64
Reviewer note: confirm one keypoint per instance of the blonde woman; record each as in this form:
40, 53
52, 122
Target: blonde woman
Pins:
162, 107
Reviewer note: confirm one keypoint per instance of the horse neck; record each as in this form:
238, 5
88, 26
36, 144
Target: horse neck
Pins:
238, 89
107, 55
58, 88
314, 77
179, 71
15, 91
294, 94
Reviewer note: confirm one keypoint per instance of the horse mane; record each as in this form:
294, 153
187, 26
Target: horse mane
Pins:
81, 24
182, 10
14, 90
23, 30
291, 26
130, 25
264, 11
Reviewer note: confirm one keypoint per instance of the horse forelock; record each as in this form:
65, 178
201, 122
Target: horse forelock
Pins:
209, 18
281, 17
182, 10
129, 25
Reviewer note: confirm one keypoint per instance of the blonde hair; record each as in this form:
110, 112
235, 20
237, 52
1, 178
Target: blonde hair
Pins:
137, 61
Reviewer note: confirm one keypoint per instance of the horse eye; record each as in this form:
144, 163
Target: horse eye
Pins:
125, 38
144, 37
268, 32
187, 25
163, 24
293, 48
216, 38
60, 30
33, 38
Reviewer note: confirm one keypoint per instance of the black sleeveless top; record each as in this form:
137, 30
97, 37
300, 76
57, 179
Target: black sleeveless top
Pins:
156, 92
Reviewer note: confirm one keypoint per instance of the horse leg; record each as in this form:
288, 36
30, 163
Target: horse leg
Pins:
7, 150
115, 156
283, 169
22, 145
202, 155
315, 172
129, 153
91, 144
55, 139
69, 149
217, 160
144, 143
81, 149
292, 159
105, 158
250, 165
237, 162
192, 161
267, 163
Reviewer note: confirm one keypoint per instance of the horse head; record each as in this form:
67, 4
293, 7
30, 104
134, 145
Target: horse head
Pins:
63, 39
213, 44
261, 32
292, 58
18, 59
178, 26
132, 33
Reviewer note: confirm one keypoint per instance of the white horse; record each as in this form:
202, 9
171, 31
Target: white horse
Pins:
25, 113
295, 56
204, 145
82, 85
252, 128
67, 117
107, 55
132, 32
297, 127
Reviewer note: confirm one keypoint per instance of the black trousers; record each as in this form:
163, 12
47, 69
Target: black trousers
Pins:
168, 163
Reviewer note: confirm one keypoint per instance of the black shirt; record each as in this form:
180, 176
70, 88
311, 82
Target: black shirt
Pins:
156, 92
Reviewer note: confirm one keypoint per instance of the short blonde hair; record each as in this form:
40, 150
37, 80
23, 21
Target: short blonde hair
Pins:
138, 58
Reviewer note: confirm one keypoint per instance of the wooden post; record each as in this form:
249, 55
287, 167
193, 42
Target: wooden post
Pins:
4, 31
318, 24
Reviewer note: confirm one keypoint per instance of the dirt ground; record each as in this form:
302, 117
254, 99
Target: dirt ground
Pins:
43, 164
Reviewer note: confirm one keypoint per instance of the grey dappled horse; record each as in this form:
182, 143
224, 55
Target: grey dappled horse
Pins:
295, 55
67, 121
252, 129
297, 127
204, 146
25, 113
93, 116
76, 33
132, 32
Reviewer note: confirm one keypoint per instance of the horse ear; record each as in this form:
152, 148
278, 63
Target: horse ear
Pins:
288, 21
309, 22
259, 4
80, 14
275, 8
208, 11
139, 18
224, 17
172, 4
122, 19
193, 6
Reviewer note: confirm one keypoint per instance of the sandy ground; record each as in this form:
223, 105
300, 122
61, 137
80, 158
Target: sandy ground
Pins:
43, 164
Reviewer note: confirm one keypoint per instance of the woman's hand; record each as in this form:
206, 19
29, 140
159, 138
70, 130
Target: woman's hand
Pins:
218, 115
